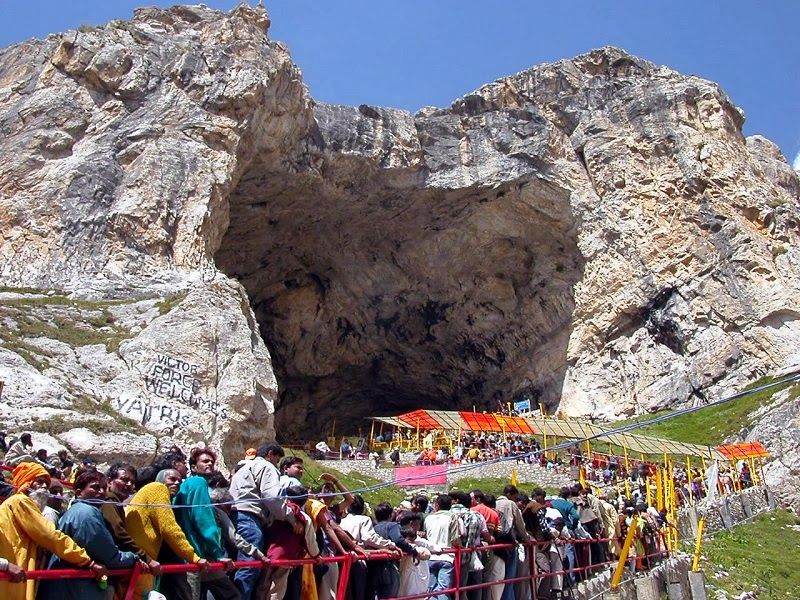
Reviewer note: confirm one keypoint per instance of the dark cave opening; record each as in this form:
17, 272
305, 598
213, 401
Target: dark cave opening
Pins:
377, 296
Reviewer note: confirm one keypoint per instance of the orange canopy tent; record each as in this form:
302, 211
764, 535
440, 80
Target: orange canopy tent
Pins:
495, 423
464, 421
745, 450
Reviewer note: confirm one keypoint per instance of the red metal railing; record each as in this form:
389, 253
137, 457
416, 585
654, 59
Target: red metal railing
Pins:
346, 562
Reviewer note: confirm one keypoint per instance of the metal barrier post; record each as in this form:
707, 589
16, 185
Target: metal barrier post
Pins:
623, 556
344, 577
533, 569
698, 544
457, 571
137, 569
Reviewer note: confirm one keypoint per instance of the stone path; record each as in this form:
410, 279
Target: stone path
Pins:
526, 473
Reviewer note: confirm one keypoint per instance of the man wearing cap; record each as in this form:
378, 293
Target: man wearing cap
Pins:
25, 530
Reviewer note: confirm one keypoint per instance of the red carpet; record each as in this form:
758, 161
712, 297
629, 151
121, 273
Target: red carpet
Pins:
420, 476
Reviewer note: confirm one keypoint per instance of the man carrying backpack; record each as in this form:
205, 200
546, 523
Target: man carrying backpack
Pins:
475, 531
512, 530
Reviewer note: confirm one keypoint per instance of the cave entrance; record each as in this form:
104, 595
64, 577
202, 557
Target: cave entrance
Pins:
377, 296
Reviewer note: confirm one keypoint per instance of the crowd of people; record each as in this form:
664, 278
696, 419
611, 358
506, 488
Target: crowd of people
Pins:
598, 469
64, 513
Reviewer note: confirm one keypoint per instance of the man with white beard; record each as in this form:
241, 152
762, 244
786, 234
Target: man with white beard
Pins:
25, 530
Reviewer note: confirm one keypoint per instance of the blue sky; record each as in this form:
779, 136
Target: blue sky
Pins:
413, 53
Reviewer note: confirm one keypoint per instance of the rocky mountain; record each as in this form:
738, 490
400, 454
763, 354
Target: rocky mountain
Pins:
191, 242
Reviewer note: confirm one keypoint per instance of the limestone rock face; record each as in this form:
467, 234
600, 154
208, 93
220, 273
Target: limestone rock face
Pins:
595, 234
777, 426
120, 146
129, 376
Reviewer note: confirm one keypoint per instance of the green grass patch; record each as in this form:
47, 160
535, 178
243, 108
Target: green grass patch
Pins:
763, 554
69, 325
495, 485
170, 302
352, 481
60, 299
712, 425
21, 290
76, 331
58, 424
31, 354
88, 405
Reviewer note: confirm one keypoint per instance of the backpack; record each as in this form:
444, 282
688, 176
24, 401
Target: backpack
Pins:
504, 535
471, 538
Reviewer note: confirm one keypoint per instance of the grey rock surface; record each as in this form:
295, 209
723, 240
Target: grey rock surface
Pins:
778, 427
595, 234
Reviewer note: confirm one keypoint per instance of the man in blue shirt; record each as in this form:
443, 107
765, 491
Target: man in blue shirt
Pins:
571, 519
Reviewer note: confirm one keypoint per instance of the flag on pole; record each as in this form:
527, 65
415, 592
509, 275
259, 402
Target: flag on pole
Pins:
712, 477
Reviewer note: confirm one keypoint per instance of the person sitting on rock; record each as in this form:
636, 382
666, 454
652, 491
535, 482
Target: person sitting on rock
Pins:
25, 531
20, 451
42, 458
60, 465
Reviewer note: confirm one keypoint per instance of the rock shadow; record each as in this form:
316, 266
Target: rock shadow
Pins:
377, 293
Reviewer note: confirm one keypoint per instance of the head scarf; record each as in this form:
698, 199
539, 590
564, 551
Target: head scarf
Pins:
26, 473
162, 475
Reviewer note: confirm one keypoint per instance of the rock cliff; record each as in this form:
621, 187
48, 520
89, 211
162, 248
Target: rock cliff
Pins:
595, 234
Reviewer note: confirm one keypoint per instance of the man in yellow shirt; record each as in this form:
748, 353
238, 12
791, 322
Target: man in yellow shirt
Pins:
150, 521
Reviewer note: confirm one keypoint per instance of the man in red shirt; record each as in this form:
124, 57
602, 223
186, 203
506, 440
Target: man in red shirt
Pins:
286, 544
479, 506
494, 566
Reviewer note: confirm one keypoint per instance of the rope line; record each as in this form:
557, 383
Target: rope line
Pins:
463, 468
